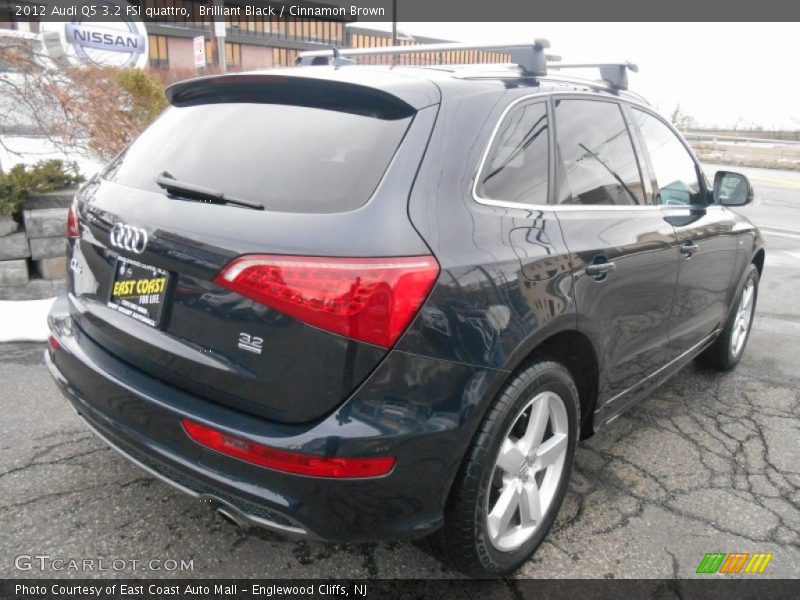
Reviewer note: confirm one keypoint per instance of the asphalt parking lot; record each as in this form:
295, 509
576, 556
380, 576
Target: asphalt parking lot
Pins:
709, 463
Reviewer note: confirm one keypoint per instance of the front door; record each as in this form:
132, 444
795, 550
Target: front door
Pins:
705, 236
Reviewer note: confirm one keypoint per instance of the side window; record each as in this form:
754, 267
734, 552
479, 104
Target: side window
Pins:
674, 167
516, 166
596, 157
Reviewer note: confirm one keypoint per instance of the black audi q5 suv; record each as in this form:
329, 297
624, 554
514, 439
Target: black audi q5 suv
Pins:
362, 302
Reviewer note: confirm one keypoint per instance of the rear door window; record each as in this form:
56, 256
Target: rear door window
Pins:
596, 160
289, 158
516, 166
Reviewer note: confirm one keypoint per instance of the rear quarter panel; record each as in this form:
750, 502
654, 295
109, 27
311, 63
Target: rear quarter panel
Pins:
505, 284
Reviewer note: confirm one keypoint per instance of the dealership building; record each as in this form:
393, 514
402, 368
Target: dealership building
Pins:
169, 43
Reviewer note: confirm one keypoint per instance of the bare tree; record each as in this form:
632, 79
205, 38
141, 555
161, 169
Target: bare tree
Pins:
38, 97
681, 119
88, 110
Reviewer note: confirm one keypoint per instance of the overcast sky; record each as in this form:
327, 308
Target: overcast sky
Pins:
720, 73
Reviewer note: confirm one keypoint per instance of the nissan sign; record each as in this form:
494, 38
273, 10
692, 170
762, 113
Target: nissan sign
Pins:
118, 43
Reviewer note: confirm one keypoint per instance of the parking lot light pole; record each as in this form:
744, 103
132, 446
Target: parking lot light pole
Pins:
218, 31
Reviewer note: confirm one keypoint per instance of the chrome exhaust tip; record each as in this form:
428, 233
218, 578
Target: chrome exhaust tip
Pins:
226, 510
232, 518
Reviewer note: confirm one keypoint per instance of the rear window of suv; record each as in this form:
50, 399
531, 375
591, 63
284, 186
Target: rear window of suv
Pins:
289, 158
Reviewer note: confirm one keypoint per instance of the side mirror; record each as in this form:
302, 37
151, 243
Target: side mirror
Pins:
732, 189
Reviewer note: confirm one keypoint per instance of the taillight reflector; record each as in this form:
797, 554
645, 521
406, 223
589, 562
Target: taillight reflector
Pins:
288, 462
368, 299
73, 228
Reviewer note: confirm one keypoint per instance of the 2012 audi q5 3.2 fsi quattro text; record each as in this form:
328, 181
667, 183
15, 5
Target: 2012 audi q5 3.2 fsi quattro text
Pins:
363, 302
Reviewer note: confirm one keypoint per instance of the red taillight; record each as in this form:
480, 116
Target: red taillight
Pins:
368, 299
73, 229
288, 462
53, 342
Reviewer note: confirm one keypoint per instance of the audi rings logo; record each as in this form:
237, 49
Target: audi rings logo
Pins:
129, 238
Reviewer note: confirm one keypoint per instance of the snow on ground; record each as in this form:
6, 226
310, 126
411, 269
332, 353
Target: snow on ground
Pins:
30, 150
25, 320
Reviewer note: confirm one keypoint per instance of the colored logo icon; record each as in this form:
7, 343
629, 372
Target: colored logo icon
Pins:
735, 562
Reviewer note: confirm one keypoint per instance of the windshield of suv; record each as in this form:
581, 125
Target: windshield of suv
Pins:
288, 158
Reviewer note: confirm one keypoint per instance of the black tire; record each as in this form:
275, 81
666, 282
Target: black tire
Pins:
720, 355
462, 543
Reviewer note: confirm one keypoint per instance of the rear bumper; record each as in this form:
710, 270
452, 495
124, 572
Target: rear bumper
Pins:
420, 410
242, 513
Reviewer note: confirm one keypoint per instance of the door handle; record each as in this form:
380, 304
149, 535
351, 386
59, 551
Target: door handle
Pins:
600, 270
689, 248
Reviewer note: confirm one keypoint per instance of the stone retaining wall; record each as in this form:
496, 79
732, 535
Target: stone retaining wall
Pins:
33, 247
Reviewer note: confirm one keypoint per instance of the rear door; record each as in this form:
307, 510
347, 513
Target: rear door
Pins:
621, 248
705, 235
332, 163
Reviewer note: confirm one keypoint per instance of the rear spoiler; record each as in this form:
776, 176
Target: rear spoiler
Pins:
274, 88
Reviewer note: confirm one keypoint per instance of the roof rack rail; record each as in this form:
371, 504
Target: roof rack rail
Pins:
615, 74
530, 57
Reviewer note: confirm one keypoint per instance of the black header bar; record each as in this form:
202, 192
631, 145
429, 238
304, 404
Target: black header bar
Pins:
407, 10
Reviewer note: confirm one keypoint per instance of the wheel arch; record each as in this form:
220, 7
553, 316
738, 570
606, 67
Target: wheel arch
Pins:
577, 353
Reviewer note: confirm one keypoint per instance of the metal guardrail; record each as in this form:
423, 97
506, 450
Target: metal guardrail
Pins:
737, 139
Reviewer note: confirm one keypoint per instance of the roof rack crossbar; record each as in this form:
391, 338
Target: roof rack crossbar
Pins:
615, 74
530, 57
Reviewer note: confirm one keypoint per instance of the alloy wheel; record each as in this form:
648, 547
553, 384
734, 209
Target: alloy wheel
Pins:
744, 314
527, 471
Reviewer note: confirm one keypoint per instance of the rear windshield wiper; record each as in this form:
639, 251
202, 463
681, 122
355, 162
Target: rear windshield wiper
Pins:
190, 191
